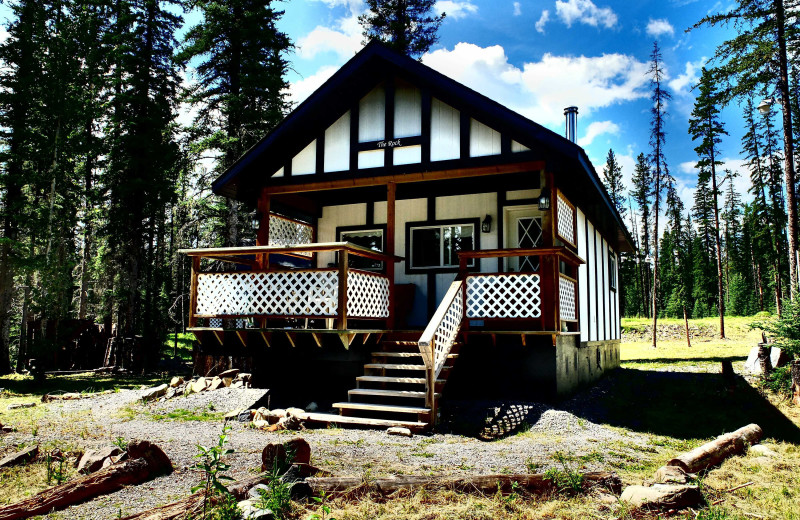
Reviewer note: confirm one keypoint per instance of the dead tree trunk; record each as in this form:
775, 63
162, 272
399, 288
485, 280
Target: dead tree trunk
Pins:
146, 461
716, 451
483, 484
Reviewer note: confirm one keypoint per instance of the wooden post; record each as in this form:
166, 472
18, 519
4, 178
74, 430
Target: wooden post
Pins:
341, 322
391, 193
432, 383
193, 291
764, 359
262, 235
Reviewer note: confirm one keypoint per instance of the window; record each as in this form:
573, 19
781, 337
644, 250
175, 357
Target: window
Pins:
612, 271
368, 238
437, 246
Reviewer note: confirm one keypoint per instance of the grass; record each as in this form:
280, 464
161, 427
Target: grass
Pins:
182, 414
184, 346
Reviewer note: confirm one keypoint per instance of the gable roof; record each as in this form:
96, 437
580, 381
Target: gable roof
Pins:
374, 63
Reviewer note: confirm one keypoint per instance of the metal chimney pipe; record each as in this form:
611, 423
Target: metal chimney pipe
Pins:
572, 122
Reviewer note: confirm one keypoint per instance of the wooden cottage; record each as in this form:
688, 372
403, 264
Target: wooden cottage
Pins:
412, 233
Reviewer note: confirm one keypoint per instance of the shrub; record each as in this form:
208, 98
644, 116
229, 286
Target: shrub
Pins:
784, 329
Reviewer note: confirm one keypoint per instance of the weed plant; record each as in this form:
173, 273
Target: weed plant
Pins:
212, 466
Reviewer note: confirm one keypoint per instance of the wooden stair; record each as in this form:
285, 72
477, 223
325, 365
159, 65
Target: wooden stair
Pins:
392, 391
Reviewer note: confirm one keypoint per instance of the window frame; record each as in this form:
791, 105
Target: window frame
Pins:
366, 227
612, 270
429, 224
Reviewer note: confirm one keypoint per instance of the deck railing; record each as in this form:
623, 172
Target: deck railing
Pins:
268, 293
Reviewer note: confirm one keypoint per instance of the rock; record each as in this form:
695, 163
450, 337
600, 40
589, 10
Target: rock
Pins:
237, 384
189, 389
312, 407
671, 475
216, 384
295, 450
662, 496
20, 457
245, 378
260, 418
778, 357
232, 373
752, 365
290, 422
233, 414
251, 512
254, 493
296, 412
15, 406
176, 381
762, 451
275, 415
155, 392
245, 416
171, 392
93, 460
227, 381
399, 430
199, 385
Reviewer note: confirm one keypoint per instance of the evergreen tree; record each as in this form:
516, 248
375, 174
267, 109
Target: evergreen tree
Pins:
407, 26
641, 194
612, 178
705, 126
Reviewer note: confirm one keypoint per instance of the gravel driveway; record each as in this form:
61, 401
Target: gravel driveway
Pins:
96, 422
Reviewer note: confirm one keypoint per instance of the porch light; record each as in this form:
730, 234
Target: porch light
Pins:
544, 200
765, 106
486, 224
256, 220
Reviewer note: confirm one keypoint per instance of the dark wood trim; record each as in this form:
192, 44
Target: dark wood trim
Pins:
370, 213
475, 222
366, 227
422, 176
430, 214
341, 322
312, 248
193, 291
464, 133
287, 167
391, 196
426, 100
505, 144
432, 302
354, 137
564, 253
501, 232
321, 153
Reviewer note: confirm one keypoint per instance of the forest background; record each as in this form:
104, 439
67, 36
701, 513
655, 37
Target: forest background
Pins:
100, 184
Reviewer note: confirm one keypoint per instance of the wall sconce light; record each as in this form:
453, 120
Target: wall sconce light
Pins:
486, 224
256, 222
544, 199
765, 106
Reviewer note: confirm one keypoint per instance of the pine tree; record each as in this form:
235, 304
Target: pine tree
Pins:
612, 178
757, 57
658, 113
705, 125
641, 194
407, 26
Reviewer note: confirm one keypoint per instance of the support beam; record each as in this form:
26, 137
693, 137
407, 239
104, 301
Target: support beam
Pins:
391, 195
262, 236
193, 291
317, 339
292, 337
266, 336
242, 337
220, 336
341, 321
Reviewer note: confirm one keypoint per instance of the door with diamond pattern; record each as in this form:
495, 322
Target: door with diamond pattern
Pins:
523, 229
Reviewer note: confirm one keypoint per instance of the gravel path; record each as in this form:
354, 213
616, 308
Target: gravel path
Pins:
95, 422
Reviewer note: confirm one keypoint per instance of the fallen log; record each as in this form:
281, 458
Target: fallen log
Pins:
536, 483
146, 461
715, 452
193, 504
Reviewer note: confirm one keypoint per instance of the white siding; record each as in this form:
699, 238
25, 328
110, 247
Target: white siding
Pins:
445, 132
372, 116
617, 310
583, 279
305, 162
607, 293
522, 194
590, 285
371, 159
337, 145
601, 294
407, 155
409, 210
483, 140
518, 147
332, 217
407, 111
278, 173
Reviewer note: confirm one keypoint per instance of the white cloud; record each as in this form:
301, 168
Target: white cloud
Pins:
455, 9
541, 90
517, 9
543, 21
344, 39
585, 12
301, 89
682, 85
660, 27
596, 129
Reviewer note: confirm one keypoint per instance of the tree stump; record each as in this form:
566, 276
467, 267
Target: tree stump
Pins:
764, 351
796, 381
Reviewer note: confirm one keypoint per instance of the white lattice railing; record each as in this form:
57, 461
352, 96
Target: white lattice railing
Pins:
300, 293
442, 331
513, 295
567, 294
288, 232
565, 219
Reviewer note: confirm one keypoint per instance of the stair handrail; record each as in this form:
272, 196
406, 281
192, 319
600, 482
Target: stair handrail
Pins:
442, 331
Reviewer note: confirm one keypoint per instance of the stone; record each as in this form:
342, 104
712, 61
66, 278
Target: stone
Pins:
752, 365
254, 493
399, 430
199, 385
663, 496
227, 381
778, 357
245, 416
176, 381
189, 388
290, 422
20, 457
244, 377
15, 406
237, 384
671, 475
232, 373
155, 392
295, 450
93, 460
233, 414
251, 512
762, 451
216, 384
296, 412
275, 415
171, 392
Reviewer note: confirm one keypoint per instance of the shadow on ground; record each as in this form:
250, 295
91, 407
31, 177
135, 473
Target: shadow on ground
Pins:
680, 404
683, 361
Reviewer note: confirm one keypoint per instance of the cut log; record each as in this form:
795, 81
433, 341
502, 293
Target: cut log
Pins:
147, 461
764, 358
662, 496
715, 452
484, 484
20, 457
796, 381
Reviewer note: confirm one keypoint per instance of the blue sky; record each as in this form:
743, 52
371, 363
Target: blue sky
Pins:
537, 57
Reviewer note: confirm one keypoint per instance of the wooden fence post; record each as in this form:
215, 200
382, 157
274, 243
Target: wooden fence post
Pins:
343, 270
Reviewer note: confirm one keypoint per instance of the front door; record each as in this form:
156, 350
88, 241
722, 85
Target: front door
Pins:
523, 225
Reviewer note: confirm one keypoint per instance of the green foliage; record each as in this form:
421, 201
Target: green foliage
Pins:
212, 466
55, 469
121, 443
324, 508
277, 497
784, 329
567, 480
779, 381
712, 513
406, 26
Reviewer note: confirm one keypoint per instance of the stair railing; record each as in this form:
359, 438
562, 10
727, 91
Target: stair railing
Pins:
440, 335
